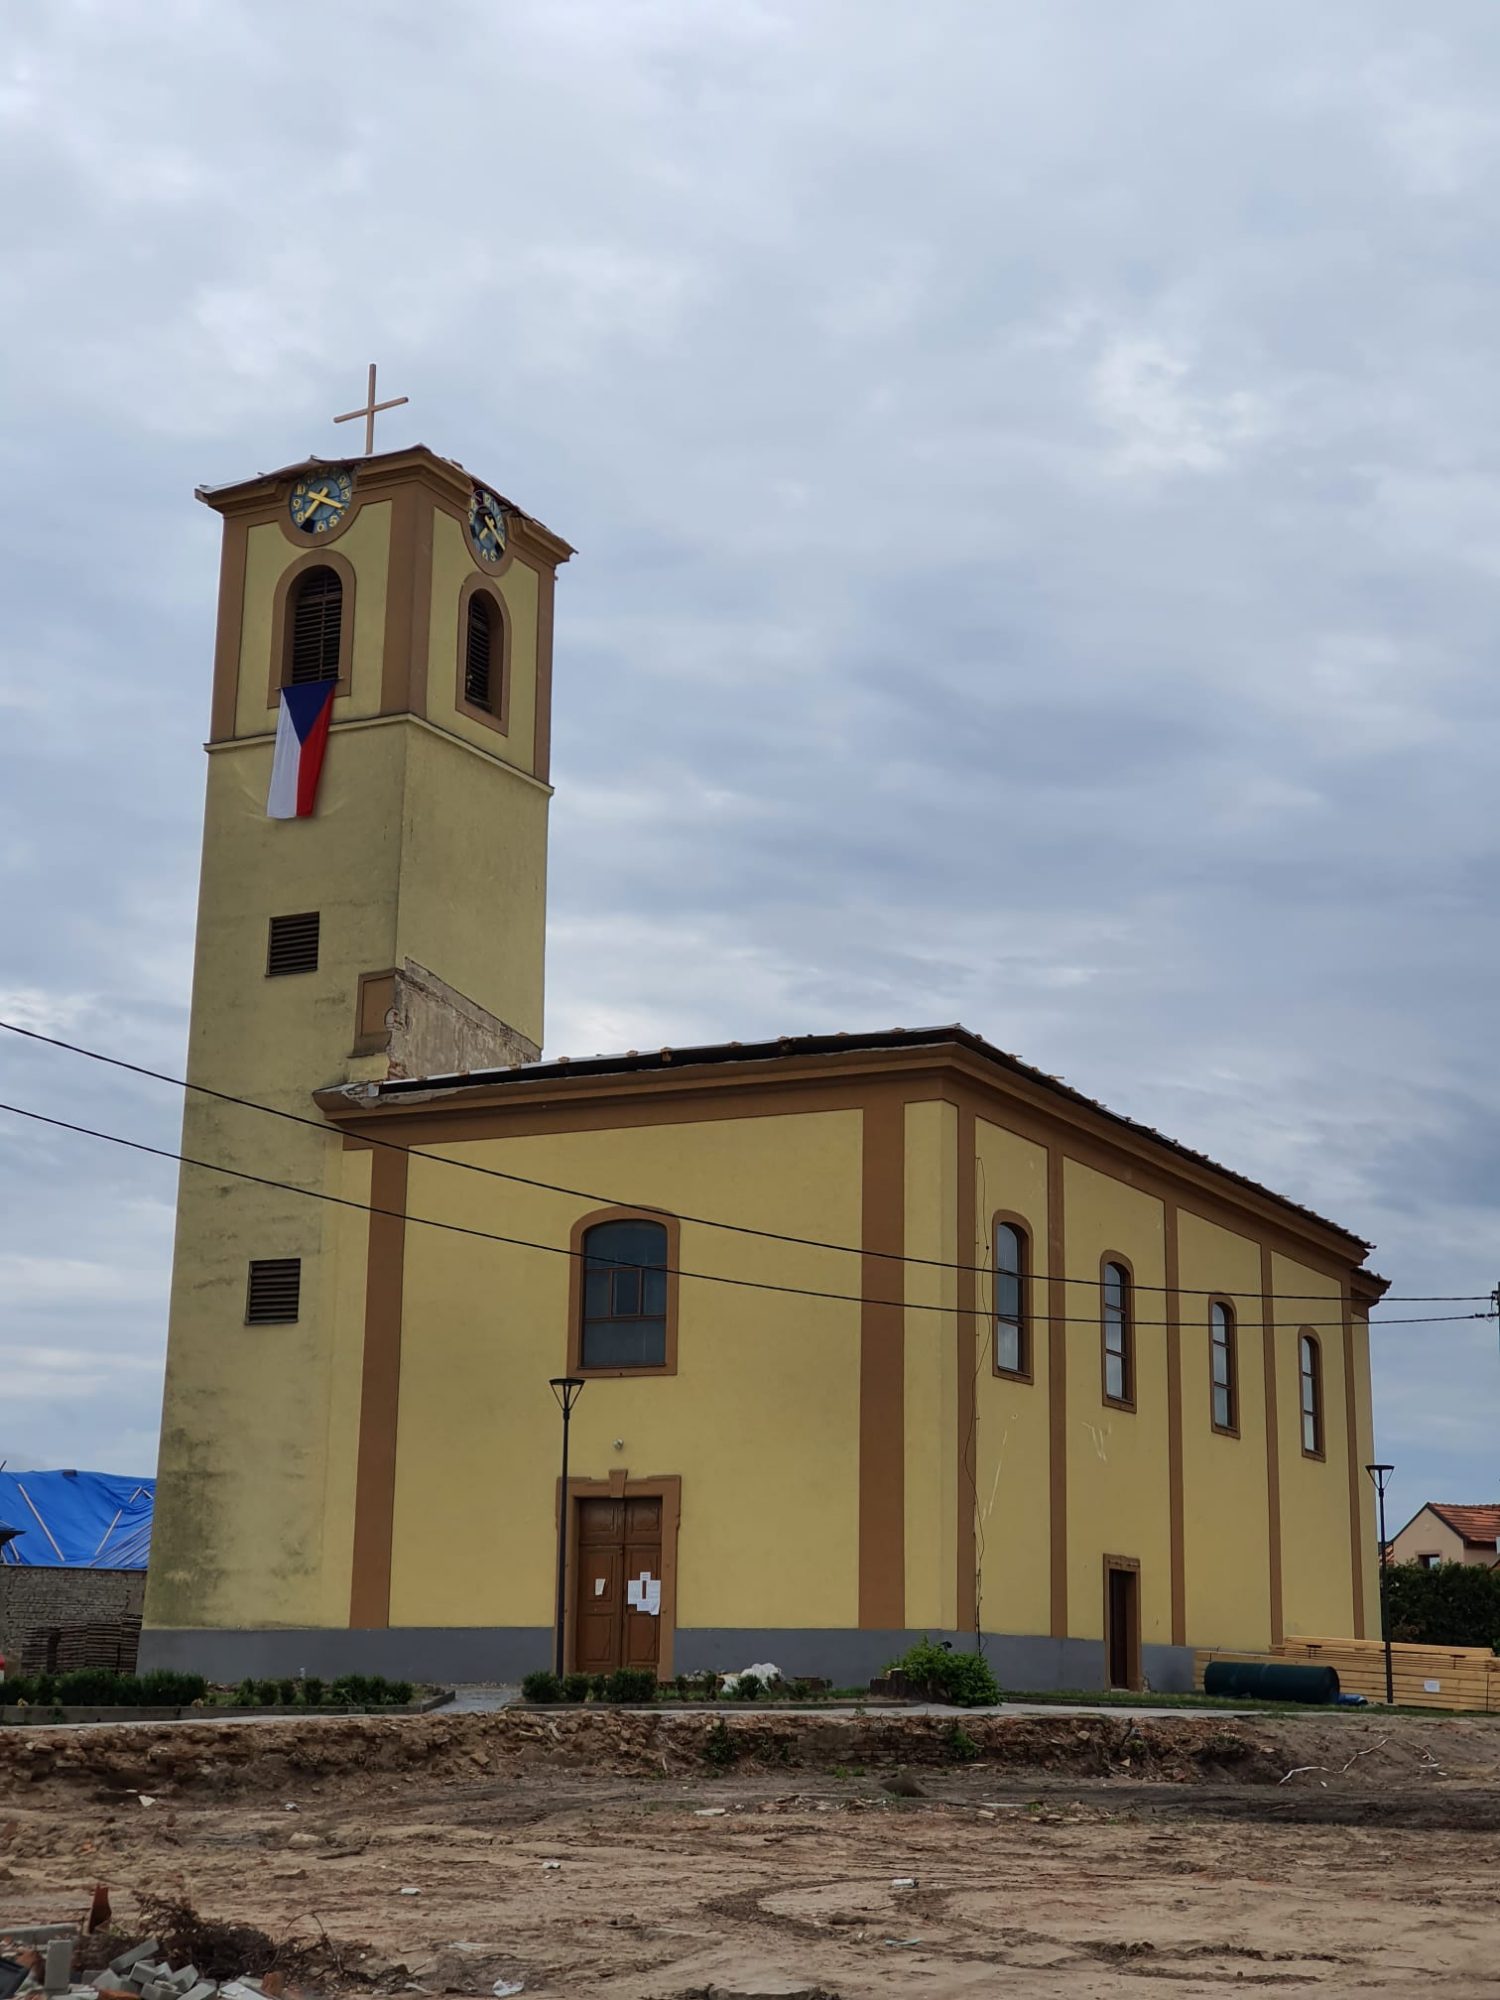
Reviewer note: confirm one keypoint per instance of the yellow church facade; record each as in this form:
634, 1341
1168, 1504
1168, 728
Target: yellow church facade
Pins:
878, 1334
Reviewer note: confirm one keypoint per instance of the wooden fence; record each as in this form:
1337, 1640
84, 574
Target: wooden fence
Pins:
1458, 1677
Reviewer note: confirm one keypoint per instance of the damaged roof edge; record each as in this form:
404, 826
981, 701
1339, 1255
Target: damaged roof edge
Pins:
369, 1097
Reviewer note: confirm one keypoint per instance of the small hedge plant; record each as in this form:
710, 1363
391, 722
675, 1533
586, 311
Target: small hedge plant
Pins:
104, 1687
961, 1678
349, 1691
625, 1686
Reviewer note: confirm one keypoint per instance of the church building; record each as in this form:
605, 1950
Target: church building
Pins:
879, 1334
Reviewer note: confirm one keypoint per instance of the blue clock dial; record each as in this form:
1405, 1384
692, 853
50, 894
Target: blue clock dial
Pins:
320, 500
487, 524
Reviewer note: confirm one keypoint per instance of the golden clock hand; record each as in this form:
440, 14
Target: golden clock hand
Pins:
322, 499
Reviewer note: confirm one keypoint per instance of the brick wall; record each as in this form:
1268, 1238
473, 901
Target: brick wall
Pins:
31, 1597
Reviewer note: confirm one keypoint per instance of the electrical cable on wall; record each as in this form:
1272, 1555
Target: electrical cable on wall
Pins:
671, 1270
701, 1221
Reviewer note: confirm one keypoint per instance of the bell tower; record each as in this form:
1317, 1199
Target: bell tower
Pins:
393, 927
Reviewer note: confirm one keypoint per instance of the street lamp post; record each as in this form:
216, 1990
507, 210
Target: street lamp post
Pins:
567, 1389
1381, 1475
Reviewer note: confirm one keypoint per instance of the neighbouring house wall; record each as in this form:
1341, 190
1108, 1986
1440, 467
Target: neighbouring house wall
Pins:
43, 1597
1427, 1535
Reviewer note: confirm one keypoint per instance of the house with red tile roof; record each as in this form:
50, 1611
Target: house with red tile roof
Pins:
1447, 1532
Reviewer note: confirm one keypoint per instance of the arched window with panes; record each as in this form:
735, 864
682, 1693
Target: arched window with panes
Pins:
316, 614
1310, 1373
625, 1299
1224, 1369
1012, 1313
1118, 1334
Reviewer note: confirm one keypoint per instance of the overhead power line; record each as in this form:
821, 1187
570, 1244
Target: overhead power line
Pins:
671, 1270
700, 1221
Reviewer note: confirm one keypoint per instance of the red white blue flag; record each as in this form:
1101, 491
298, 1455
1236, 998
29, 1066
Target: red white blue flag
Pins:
301, 739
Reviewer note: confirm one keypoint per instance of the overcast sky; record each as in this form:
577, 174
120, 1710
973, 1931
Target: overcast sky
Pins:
1036, 474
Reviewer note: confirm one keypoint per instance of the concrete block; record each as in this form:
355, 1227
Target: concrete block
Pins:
138, 1954
202, 1989
185, 1979
58, 1961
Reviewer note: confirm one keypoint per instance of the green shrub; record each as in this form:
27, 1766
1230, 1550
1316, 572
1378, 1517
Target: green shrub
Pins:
397, 1693
597, 1684
960, 1745
1457, 1604
286, 1693
97, 1687
312, 1691
961, 1678
630, 1684
265, 1694
747, 1687
577, 1687
719, 1748
542, 1686
245, 1696
165, 1688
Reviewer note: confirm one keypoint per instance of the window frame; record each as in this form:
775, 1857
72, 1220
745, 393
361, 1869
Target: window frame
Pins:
1230, 1429
1005, 1218
1308, 1344
580, 1230
497, 715
1123, 1264
283, 610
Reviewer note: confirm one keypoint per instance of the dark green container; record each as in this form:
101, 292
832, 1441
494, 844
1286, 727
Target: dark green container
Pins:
1270, 1680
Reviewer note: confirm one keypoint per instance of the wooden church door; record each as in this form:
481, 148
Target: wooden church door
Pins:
617, 1617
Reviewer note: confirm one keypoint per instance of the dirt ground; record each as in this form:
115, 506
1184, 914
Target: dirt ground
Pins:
611, 1855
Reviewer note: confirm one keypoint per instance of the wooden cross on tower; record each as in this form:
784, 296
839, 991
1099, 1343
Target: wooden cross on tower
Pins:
369, 411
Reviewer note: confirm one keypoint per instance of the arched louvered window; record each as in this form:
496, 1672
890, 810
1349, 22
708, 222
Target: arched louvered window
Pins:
1224, 1371
1012, 1321
624, 1295
1119, 1336
482, 651
317, 620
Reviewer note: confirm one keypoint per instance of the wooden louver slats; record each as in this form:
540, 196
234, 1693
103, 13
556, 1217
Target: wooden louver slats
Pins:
293, 944
478, 651
317, 619
274, 1293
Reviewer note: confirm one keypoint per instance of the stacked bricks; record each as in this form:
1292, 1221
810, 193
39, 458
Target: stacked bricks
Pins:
46, 1952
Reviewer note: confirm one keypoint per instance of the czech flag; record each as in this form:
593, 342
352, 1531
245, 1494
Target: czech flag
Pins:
301, 739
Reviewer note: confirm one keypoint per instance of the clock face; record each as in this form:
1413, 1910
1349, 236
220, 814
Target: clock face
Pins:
320, 499
487, 525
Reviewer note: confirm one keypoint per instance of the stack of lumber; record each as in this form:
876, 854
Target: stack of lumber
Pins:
1458, 1677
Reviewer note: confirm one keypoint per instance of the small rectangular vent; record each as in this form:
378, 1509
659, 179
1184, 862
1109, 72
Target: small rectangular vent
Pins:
274, 1293
293, 945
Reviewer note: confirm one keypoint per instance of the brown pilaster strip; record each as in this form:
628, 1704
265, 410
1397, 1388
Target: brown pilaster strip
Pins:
1273, 1440
541, 749
230, 634
1057, 1389
969, 1335
1173, 1317
882, 1369
407, 502
380, 1395
1356, 1471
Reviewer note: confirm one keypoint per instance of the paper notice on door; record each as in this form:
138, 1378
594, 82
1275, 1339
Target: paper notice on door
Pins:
1432, 1687
598, 1586
644, 1594
633, 1593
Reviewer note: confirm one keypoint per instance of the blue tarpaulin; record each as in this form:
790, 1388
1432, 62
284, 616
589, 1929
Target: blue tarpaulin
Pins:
80, 1520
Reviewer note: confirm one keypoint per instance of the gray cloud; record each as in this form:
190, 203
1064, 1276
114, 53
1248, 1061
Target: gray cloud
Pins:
1039, 556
